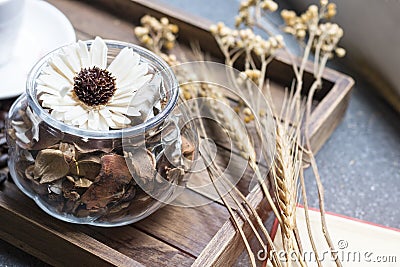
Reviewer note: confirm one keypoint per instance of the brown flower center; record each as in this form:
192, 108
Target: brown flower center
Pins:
94, 86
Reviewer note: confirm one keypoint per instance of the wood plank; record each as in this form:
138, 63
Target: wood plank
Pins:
330, 112
146, 249
188, 229
95, 22
227, 245
42, 236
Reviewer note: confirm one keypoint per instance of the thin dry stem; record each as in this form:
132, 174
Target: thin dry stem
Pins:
235, 220
308, 223
314, 163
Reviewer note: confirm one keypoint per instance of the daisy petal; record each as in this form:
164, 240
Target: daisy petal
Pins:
84, 125
57, 100
80, 120
106, 114
71, 58
122, 63
98, 53
132, 73
93, 120
120, 119
57, 115
75, 113
123, 102
46, 89
130, 111
103, 125
134, 85
83, 54
59, 65
57, 81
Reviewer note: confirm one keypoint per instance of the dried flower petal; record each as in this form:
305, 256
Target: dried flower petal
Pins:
110, 184
88, 167
50, 165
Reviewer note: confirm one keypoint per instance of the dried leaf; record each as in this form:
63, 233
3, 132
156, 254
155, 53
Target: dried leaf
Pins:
84, 147
110, 184
143, 163
87, 167
80, 182
56, 187
50, 165
67, 149
29, 172
83, 182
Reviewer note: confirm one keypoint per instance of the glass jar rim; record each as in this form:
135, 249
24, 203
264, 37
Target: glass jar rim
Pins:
141, 128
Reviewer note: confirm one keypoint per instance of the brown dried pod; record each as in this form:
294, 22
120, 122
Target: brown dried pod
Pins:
110, 184
50, 165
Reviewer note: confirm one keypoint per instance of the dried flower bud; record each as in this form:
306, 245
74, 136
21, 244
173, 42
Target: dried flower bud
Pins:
313, 9
173, 28
269, 5
258, 51
340, 52
243, 75
224, 31
169, 36
323, 2
289, 30
214, 29
330, 13
164, 21
331, 6
248, 119
301, 34
169, 45
140, 31
247, 111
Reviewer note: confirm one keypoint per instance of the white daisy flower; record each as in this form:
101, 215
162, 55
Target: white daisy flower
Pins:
79, 88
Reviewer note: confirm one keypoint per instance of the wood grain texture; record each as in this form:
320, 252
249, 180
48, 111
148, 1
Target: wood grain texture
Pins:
172, 236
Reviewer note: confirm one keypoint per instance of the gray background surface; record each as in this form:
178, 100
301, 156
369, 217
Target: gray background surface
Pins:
359, 165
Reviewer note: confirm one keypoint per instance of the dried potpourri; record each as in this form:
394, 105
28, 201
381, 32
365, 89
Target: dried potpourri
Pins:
96, 179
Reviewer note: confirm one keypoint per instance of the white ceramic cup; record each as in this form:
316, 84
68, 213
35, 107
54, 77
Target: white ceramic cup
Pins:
11, 12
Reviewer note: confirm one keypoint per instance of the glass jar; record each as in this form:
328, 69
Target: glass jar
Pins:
105, 177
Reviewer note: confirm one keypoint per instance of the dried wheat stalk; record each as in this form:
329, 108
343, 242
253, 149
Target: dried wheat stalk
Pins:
286, 171
149, 36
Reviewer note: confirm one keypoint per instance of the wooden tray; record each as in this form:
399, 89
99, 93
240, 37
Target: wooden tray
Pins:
172, 236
